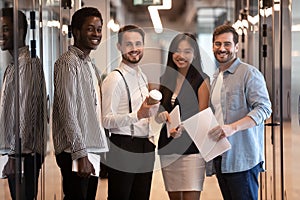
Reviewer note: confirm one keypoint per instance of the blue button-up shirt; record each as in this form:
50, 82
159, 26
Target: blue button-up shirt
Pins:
243, 93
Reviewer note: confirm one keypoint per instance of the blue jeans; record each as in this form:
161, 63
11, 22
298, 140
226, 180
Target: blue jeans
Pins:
239, 185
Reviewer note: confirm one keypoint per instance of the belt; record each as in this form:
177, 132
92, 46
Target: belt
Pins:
127, 136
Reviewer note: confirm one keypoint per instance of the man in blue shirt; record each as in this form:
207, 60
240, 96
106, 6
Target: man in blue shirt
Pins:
241, 103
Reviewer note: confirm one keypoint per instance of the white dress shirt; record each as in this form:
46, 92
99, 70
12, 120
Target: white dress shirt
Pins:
115, 107
216, 98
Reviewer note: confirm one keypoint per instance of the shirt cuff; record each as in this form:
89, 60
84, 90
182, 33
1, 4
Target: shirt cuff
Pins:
79, 154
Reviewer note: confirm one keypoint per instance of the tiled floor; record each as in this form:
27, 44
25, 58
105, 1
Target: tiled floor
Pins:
211, 190
52, 187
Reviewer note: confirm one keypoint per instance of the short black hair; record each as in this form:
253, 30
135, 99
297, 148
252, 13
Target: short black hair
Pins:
226, 29
130, 28
80, 15
9, 13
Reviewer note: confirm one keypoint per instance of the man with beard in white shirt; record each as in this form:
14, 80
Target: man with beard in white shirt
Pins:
126, 115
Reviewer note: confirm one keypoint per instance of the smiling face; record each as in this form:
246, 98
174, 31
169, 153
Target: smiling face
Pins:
131, 47
183, 55
89, 36
224, 48
6, 34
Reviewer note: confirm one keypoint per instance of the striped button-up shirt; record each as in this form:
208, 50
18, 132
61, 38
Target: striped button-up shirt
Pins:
32, 106
76, 123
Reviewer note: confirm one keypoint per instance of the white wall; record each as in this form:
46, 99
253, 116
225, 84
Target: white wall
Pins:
101, 55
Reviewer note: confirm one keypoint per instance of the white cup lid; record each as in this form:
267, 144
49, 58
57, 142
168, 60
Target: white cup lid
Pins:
155, 94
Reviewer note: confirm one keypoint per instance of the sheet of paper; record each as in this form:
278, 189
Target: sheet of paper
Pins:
94, 159
174, 119
221, 146
198, 127
104, 144
3, 161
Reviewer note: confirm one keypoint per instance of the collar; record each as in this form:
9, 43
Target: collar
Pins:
132, 71
231, 69
234, 66
22, 52
79, 53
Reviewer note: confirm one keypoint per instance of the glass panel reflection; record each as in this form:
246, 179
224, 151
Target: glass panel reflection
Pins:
22, 107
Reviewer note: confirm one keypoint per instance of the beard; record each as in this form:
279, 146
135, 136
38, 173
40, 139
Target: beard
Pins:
224, 59
134, 59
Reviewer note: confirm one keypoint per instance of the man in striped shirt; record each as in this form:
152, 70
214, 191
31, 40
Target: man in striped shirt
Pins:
77, 128
32, 109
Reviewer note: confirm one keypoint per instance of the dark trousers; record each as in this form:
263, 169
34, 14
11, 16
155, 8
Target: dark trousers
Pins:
130, 162
29, 185
75, 187
239, 185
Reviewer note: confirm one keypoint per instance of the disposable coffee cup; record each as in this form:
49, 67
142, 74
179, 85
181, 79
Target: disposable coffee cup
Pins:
154, 97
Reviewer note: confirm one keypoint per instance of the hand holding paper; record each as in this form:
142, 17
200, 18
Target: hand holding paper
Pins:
3, 161
94, 161
175, 120
176, 132
216, 133
198, 127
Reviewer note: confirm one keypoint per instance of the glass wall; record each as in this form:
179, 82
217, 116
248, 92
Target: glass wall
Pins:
23, 111
25, 116
293, 169
46, 39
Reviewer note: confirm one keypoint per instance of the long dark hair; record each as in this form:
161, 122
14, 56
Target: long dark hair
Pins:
195, 72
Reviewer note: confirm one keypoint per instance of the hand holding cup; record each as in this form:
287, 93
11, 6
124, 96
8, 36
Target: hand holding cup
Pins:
154, 97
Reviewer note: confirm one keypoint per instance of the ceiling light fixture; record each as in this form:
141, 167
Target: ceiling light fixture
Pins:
112, 25
153, 10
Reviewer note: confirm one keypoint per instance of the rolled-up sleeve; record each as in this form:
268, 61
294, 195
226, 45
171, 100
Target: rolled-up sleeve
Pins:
257, 97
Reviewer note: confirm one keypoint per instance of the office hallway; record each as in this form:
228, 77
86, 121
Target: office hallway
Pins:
50, 180
52, 185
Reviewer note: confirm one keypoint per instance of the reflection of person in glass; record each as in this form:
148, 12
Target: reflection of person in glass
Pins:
185, 84
32, 112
